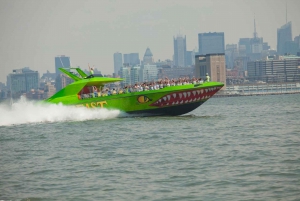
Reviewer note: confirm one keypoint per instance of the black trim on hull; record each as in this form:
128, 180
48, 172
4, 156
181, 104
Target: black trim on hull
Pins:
168, 111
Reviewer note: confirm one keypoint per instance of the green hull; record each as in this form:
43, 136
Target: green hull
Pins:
173, 100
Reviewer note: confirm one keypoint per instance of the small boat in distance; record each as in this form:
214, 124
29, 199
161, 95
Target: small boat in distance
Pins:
170, 100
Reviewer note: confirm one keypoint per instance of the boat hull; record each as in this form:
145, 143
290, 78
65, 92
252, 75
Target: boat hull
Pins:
168, 111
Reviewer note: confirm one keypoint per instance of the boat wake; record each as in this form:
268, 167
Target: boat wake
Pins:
24, 111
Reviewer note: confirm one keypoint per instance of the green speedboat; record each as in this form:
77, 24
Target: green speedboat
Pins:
171, 100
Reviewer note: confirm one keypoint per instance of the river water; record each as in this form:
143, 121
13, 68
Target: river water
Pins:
237, 148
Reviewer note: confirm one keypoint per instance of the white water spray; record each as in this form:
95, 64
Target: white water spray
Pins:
24, 111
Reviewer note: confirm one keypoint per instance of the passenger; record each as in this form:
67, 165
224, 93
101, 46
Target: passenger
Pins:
95, 91
207, 78
161, 85
91, 70
108, 92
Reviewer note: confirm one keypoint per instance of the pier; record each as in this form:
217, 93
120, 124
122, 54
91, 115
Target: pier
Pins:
259, 89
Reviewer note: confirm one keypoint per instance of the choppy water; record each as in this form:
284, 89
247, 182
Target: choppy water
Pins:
241, 148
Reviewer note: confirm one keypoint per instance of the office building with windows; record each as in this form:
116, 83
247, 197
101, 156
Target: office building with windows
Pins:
118, 62
211, 43
23, 80
214, 65
282, 69
148, 73
125, 74
131, 59
61, 62
180, 51
284, 35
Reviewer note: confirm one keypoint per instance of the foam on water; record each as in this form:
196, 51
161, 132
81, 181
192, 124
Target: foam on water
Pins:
24, 111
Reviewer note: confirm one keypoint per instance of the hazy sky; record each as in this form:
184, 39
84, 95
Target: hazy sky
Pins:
33, 32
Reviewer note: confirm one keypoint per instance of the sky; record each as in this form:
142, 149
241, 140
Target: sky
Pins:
34, 32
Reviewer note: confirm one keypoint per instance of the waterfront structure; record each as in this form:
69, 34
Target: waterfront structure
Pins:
131, 59
23, 80
148, 57
148, 73
179, 51
213, 64
282, 69
262, 89
118, 62
211, 43
61, 62
284, 35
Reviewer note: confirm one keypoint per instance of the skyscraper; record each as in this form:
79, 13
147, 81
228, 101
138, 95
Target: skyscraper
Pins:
131, 59
61, 62
148, 57
256, 42
244, 46
125, 74
211, 43
118, 62
180, 51
284, 35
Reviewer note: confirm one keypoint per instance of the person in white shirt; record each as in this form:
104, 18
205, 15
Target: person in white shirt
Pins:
207, 78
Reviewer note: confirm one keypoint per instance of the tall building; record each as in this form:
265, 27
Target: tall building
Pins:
61, 62
213, 64
131, 59
190, 58
118, 62
62, 81
180, 51
297, 41
135, 75
256, 42
23, 80
211, 43
148, 57
244, 46
231, 53
284, 35
125, 74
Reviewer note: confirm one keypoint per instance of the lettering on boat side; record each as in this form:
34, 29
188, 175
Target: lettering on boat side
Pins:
93, 104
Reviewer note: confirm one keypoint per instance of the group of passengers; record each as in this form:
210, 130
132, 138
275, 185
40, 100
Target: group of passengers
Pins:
93, 91
146, 86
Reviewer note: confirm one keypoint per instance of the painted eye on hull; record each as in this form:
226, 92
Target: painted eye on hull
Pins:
143, 99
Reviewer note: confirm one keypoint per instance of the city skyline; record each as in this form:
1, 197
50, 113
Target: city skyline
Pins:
35, 32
